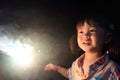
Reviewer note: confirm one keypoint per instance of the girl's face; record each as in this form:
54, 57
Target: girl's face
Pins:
90, 38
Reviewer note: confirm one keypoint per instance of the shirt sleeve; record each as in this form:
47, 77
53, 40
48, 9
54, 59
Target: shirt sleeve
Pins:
69, 73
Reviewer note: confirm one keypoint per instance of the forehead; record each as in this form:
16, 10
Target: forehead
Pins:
85, 24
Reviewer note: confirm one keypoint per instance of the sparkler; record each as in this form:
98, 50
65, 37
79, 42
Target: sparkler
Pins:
20, 52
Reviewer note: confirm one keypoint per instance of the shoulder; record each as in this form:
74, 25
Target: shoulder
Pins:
113, 65
110, 63
78, 61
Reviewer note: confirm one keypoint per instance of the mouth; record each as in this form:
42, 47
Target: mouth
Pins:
86, 43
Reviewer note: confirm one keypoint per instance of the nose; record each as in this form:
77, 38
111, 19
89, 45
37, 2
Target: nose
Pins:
87, 35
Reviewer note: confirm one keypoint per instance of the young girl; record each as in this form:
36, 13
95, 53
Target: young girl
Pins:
99, 59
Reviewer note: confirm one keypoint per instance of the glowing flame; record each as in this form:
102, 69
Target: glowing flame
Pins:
22, 53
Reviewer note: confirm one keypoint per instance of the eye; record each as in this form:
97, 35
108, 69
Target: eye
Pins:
92, 30
80, 32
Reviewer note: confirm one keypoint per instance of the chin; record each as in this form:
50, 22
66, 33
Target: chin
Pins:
89, 50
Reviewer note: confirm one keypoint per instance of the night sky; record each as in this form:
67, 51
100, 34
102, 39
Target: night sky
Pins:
47, 26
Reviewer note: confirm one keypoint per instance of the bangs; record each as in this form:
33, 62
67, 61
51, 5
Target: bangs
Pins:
95, 21
89, 22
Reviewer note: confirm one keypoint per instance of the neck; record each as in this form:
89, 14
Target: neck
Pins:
91, 57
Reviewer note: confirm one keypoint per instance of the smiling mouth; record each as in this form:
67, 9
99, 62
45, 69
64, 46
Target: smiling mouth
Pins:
86, 43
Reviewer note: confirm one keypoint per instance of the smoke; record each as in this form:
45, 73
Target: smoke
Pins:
10, 34
46, 33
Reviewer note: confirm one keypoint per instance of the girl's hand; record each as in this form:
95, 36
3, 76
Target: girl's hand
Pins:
50, 67
59, 69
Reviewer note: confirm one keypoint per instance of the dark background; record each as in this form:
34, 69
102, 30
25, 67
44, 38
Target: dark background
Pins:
47, 26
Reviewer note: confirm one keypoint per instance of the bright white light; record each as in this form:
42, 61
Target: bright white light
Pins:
21, 53
23, 59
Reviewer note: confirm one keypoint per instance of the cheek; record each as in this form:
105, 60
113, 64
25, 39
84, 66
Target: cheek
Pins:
79, 37
79, 41
99, 39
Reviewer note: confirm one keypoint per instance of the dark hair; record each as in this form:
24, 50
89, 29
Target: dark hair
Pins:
99, 21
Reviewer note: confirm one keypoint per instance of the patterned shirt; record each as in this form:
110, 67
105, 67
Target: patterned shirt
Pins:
102, 69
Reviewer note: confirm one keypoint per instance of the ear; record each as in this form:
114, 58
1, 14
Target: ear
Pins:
108, 38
